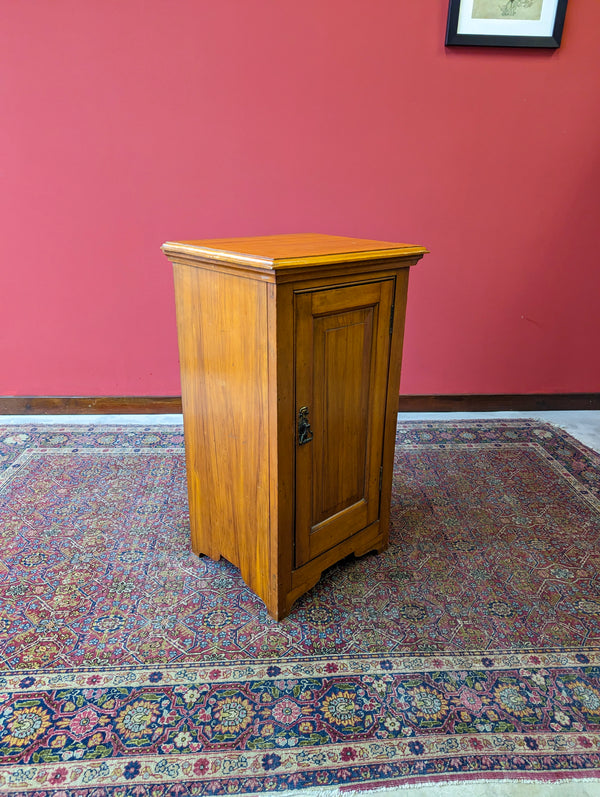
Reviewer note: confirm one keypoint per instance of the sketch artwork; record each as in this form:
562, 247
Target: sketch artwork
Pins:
507, 9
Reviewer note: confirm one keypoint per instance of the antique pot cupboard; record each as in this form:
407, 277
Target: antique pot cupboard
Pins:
290, 349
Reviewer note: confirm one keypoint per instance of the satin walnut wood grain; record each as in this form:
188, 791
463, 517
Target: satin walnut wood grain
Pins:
268, 326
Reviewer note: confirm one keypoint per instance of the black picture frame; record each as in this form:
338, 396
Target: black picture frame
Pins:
553, 40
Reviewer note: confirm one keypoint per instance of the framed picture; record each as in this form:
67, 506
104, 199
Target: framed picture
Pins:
506, 23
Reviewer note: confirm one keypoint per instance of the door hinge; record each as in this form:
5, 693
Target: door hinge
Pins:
380, 477
392, 320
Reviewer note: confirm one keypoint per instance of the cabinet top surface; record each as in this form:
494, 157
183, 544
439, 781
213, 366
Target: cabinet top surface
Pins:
281, 251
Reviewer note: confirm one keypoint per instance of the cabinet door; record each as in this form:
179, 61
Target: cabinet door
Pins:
341, 364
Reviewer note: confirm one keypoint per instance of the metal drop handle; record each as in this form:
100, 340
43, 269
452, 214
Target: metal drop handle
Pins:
305, 434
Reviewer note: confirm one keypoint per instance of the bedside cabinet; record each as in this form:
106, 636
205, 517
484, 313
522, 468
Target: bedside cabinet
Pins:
290, 349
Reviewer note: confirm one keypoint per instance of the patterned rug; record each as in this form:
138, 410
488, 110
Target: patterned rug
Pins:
469, 649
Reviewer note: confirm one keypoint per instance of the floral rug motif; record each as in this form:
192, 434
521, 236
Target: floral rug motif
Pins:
470, 648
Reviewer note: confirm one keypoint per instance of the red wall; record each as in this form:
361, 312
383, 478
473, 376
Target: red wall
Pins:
129, 122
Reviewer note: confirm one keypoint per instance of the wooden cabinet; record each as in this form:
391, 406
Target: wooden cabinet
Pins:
290, 350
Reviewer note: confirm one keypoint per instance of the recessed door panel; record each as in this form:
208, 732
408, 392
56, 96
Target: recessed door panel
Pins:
342, 353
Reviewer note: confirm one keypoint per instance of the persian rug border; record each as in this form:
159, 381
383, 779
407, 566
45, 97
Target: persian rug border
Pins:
222, 670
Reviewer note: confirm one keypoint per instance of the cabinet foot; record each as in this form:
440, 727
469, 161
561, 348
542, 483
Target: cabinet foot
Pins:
214, 555
380, 548
374, 547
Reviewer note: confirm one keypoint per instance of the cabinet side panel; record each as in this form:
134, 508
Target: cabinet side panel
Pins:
222, 330
391, 414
